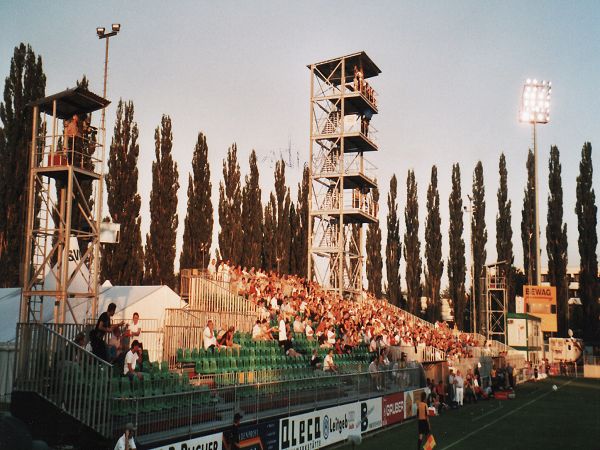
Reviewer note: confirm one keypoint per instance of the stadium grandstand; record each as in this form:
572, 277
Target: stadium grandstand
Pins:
264, 356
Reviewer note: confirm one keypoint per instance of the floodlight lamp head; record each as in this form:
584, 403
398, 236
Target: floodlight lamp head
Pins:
535, 101
116, 27
100, 31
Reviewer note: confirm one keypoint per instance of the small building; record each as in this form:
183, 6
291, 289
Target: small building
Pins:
525, 335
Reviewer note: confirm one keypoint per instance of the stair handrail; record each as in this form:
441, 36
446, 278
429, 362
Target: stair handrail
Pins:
64, 374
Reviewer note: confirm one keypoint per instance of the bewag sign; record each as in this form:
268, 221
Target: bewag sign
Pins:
540, 301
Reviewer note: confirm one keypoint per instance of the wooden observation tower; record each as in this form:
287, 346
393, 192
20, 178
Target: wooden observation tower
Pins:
342, 105
63, 228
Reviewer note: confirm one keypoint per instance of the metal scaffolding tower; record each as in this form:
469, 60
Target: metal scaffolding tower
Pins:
342, 104
496, 293
62, 233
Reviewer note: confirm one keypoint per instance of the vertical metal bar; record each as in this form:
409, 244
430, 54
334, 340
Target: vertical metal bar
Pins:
341, 235
310, 175
537, 211
24, 313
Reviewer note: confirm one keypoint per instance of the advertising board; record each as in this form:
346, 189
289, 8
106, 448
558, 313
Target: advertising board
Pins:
540, 301
210, 442
370, 414
319, 428
392, 409
410, 402
261, 436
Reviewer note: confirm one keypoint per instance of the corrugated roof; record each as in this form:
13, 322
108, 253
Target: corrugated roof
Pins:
71, 101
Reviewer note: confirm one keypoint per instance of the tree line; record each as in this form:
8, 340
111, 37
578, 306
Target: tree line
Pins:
422, 278
274, 236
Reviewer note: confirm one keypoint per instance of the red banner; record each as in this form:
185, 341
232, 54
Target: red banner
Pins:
393, 409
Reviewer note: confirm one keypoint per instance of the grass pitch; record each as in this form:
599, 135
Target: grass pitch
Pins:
539, 418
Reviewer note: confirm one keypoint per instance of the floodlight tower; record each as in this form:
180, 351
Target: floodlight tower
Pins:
62, 233
535, 109
342, 104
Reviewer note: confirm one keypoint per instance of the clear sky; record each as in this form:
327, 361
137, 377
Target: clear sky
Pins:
449, 91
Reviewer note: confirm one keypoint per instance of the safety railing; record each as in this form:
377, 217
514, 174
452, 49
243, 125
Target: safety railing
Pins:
62, 150
7, 361
333, 124
329, 165
217, 295
432, 354
199, 408
74, 380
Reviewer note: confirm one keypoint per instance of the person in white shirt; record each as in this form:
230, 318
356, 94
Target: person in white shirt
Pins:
328, 364
212, 268
310, 333
209, 340
298, 326
274, 305
257, 331
131, 360
282, 331
303, 306
126, 441
331, 337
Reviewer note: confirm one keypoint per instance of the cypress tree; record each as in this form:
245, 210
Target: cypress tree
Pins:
456, 259
528, 222
302, 232
393, 248
160, 242
282, 217
556, 241
123, 263
504, 247
198, 223
230, 208
412, 245
294, 237
252, 217
586, 210
269, 255
433, 249
26, 82
374, 267
479, 237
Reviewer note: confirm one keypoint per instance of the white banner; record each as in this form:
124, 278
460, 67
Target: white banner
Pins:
211, 442
370, 414
319, 428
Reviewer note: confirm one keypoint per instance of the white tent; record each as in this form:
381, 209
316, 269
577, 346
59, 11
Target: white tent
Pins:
149, 301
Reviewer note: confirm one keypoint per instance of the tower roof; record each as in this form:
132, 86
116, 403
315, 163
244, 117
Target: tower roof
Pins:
360, 60
71, 101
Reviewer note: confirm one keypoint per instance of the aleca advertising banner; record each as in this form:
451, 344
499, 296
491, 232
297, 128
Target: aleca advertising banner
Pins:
319, 428
370, 414
211, 442
392, 409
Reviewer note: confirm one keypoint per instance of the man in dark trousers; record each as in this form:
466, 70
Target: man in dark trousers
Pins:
103, 326
231, 438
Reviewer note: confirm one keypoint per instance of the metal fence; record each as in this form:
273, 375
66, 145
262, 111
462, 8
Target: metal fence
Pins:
52, 366
200, 408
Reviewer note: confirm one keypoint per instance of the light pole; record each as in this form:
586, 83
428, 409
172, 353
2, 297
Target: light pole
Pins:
534, 109
473, 308
102, 34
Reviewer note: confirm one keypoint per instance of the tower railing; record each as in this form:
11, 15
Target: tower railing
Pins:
74, 380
